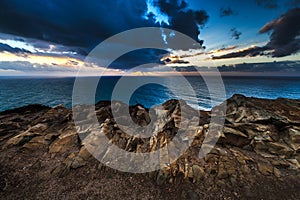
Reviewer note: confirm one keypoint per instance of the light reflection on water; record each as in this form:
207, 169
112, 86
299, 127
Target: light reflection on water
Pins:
16, 92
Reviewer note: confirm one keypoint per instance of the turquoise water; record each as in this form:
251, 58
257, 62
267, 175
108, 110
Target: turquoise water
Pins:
20, 91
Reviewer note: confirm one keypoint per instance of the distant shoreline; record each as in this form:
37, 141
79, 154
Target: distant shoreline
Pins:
192, 74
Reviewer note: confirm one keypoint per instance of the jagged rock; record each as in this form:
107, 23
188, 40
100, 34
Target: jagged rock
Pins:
235, 137
294, 163
294, 134
26, 136
265, 169
63, 144
140, 115
78, 162
61, 171
280, 149
84, 153
294, 138
260, 139
197, 173
36, 143
277, 172
73, 161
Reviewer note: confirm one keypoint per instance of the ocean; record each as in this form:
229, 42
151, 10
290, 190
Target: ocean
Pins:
21, 91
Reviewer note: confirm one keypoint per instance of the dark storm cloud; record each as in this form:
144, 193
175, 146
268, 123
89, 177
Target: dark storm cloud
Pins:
183, 19
293, 3
174, 60
225, 12
284, 38
226, 48
235, 33
269, 4
7, 48
81, 25
138, 57
72, 23
288, 67
87, 23
251, 52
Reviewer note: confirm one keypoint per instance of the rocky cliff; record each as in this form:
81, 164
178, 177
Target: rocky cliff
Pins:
257, 154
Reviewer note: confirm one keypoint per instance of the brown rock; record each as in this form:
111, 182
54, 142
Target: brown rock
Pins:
235, 137
26, 136
294, 134
196, 173
279, 149
265, 169
36, 142
84, 153
277, 172
61, 171
78, 162
64, 144
260, 137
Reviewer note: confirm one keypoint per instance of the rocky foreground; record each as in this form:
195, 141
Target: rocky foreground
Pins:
257, 155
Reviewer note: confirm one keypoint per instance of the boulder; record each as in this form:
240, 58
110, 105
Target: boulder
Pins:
64, 144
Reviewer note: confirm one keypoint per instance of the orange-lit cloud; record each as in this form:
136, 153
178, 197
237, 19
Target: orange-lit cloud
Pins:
58, 65
222, 50
40, 59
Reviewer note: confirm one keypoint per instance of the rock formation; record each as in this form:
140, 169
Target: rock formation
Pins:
256, 156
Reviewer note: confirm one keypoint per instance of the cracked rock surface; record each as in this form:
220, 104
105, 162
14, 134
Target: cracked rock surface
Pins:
257, 156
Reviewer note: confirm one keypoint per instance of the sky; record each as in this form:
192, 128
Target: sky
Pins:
54, 37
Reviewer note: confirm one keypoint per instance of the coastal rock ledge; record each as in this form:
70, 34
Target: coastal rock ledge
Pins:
257, 156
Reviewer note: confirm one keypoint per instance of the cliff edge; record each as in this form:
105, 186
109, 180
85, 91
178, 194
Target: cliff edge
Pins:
257, 155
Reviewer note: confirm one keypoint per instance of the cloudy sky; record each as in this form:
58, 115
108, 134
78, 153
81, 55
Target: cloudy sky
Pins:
53, 37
